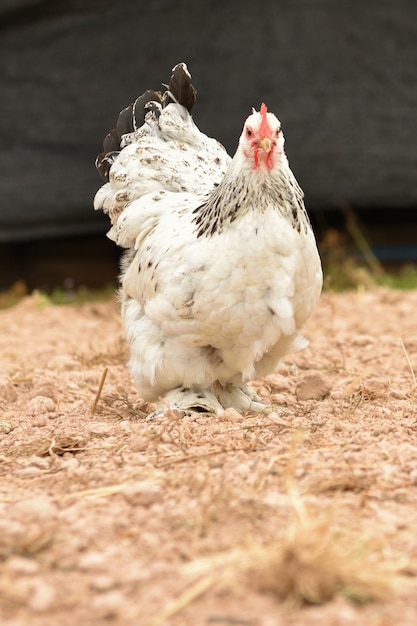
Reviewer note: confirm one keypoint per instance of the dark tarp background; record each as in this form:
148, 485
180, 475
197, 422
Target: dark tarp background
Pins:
340, 74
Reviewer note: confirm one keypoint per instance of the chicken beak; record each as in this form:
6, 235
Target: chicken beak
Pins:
266, 144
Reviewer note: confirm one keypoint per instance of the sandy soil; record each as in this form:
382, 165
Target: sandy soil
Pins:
305, 516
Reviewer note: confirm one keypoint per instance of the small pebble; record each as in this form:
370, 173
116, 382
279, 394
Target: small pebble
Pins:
101, 429
63, 362
313, 387
42, 596
36, 508
143, 493
40, 405
93, 561
6, 427
102, 582
21, 565
39, 420
110, 604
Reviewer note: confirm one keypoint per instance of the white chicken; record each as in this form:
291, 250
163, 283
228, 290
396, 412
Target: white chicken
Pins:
221, 268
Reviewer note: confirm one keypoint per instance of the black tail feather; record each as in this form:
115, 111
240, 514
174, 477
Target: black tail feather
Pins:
124, 122
180, 88
111, 141
140, 106
104, 161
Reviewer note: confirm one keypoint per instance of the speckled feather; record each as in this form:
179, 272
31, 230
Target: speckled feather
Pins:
167, 152
221, 269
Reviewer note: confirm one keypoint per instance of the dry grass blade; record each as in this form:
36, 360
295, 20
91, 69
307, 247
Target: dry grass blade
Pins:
99, 492
311, 564
409, 364
188, 596
313, 567
99, 390
122, 406
57, 445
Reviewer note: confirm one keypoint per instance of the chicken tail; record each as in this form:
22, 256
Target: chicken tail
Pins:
180, 90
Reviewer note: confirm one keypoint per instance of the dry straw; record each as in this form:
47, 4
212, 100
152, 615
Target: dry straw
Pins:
311, 564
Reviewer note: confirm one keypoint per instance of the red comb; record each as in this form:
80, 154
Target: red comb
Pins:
264, 128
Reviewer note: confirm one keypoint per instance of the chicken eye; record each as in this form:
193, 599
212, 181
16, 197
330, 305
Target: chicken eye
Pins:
249, 132
277, 132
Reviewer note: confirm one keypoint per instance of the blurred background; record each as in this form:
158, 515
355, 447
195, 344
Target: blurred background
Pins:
340, 74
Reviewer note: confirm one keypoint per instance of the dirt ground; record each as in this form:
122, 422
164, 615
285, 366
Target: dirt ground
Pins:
306, 516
